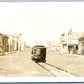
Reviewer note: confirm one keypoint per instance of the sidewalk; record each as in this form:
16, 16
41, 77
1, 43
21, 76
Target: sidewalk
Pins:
6, 53
75, 55
64, 53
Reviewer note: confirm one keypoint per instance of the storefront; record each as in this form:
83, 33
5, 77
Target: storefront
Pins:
81, 45
3, 43
72, 48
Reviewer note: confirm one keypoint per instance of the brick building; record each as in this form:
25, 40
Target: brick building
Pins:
4, 46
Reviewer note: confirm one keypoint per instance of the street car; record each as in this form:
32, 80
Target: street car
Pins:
38, 54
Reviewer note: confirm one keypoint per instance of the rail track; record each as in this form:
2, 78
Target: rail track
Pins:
55, 71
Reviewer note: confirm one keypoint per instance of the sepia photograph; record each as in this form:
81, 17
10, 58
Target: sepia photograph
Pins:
42, 39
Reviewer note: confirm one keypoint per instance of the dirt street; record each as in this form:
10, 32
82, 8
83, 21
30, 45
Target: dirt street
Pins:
72, 63
19, 64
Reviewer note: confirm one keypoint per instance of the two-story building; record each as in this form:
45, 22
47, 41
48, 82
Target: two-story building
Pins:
4, 46
70, 42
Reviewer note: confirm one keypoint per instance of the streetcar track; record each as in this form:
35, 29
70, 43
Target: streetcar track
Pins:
55, 67
55, 71
60, 69
46, 69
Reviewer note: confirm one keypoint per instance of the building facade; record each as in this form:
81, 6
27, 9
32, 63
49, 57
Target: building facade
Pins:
4, 46
74, 42
81, 45
63, 43
10, 43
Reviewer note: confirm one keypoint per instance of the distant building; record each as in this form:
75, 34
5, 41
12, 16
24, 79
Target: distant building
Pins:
53, 45
63, 42
23, 45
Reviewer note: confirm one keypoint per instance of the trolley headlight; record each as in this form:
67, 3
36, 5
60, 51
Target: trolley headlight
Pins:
38, 51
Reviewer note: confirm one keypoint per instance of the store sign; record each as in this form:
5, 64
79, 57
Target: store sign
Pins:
74, 41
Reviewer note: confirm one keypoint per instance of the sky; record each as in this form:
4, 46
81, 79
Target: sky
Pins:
41, 21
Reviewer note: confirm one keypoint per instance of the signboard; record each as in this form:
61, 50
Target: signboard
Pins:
74, 41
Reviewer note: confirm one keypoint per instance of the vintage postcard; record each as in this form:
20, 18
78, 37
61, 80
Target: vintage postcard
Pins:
42, 41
